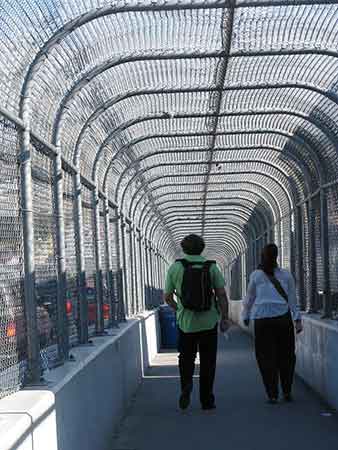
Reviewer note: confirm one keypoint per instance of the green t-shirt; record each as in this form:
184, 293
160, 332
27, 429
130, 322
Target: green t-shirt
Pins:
191, 321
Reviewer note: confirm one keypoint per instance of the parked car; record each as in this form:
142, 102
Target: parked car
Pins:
13, 335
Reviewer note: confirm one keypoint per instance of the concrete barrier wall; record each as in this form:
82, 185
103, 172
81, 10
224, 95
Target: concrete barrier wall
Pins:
84, 400
317, 353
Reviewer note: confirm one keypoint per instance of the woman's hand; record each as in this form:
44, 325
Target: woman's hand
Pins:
298, 326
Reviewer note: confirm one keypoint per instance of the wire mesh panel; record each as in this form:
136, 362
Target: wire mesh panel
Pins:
45, 251
12, 314
104, 265
89, 255
316, 217
128, 267
285, 257
305, 261
332, 200
236, 280
72, 294
117, 282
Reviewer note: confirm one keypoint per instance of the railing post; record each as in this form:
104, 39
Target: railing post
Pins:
63, 335
292, 243
141, 268
120, 311
80, 261
147, 268
146, 272
132, 268
124, 270
33, 375
324, 233
300, 252
151, 273
109, 265
312, 259
98, 266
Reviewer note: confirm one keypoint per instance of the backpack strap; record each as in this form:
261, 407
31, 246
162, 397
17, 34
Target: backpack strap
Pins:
186, 263
279, 288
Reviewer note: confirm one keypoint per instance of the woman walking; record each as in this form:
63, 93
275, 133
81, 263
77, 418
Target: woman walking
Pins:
271, 303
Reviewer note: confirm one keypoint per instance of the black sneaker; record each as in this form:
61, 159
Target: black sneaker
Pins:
184, 400
272, 401
288, 398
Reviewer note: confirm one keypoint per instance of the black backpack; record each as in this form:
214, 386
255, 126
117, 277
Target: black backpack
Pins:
197, 291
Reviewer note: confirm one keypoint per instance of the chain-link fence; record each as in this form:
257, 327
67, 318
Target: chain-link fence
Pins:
13, 336
308, 248
102, 279
172, 117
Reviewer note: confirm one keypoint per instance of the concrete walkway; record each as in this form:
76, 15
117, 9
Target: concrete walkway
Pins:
242, 420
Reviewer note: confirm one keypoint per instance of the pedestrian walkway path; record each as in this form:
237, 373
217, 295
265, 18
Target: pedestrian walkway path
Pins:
242, 420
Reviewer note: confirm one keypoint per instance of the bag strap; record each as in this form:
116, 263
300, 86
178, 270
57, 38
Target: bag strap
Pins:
279, 288
186, 263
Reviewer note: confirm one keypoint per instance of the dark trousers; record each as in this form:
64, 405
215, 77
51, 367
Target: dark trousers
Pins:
275, 353
206, 343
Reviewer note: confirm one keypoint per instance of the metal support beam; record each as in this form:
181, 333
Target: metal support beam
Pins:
98, 264
299, 224
126, 309
131, 269
109, 266
324, 234
119, 272
33, 374
80, 261
312, 290
62, 321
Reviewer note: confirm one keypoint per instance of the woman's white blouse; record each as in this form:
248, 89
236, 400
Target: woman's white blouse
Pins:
263, 300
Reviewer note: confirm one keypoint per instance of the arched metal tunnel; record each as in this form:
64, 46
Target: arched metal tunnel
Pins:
125, 125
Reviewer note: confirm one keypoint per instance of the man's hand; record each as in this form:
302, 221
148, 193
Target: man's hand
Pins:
224, 325
298, 326
246, 322
169, 300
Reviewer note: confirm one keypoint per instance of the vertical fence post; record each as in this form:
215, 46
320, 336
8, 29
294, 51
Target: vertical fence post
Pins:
244, 274
146, 258
154, 260
300, 252
98, 266
279, 234
33, 347
324, 235
141, 269
126, 311
63, 334
109, 265
292, 243
151, 272
161, 273
312, 258
132, 268
80, 261
119, 280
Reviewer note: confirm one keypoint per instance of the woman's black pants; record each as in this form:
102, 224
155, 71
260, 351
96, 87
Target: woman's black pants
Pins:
275, 352
206, 343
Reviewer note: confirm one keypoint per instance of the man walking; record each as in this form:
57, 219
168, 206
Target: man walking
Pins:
196, 282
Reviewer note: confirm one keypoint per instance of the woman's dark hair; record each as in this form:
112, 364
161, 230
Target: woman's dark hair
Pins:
269, 259
193, 244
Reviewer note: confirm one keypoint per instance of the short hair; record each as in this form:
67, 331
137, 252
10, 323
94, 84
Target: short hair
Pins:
193, 244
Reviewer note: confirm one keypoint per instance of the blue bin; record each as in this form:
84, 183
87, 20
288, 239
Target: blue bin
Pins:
169, 332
